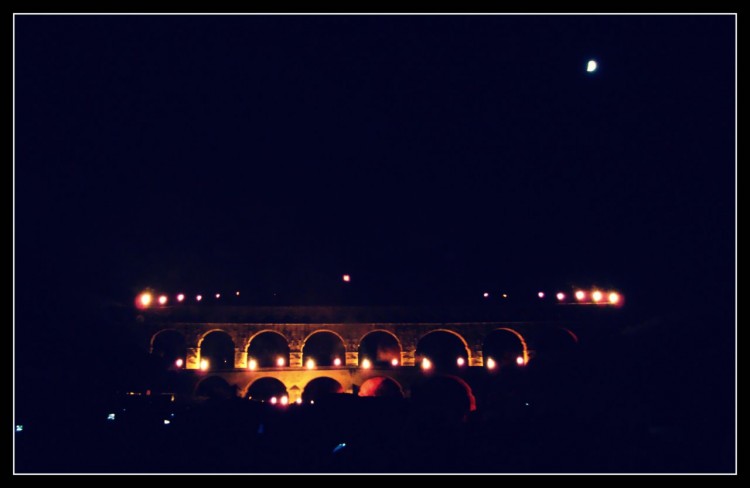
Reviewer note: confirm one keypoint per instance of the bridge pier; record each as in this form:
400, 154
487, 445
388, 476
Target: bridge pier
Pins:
193, 358
240, 358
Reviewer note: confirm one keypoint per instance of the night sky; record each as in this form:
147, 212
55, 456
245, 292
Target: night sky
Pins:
276, 153
430, 157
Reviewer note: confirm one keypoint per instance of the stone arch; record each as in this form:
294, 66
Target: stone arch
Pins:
381, 386
204, 334
461, 338
223, 358
158, 332
268, 359
381, 356
265, 387
169, 348
321, 386
215, 387
338, 351
521, 339
304, 341
263, 331
444, 360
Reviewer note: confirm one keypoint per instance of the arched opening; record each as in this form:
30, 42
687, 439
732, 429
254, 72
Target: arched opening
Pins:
505, 347
217, 350
321, 387
168, 346
381, 386
215, 388
263, 389
381, 348
447, 395
445, 350
268, 349
324, 348
554, 345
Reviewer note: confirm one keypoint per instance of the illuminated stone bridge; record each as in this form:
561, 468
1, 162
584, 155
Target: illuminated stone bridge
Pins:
342, 349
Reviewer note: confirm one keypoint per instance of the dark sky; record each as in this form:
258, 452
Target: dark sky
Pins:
426, 156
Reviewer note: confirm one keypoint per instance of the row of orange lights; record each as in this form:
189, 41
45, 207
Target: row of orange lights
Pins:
146, 299
425, 364
594, 296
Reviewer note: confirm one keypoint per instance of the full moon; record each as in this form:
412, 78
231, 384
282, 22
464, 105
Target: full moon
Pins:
591, 66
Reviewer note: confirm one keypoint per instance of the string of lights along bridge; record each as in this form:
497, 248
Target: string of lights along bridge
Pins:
595, 296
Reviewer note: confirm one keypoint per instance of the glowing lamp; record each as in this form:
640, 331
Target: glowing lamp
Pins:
580, 295
280, 361
346, 278
460, 361
284, 400
204, 364
394, 362
485, 294
198, 298
337, 362
366, 364
614, 298
179, 363
274, 400
180, 297
491, 364
520, 361
540, 294
426, 364
163, 300
596, 296
252, 364
145, 299
310, 364
560, 296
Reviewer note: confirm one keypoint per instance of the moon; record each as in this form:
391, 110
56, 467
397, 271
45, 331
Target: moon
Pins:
591, 66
